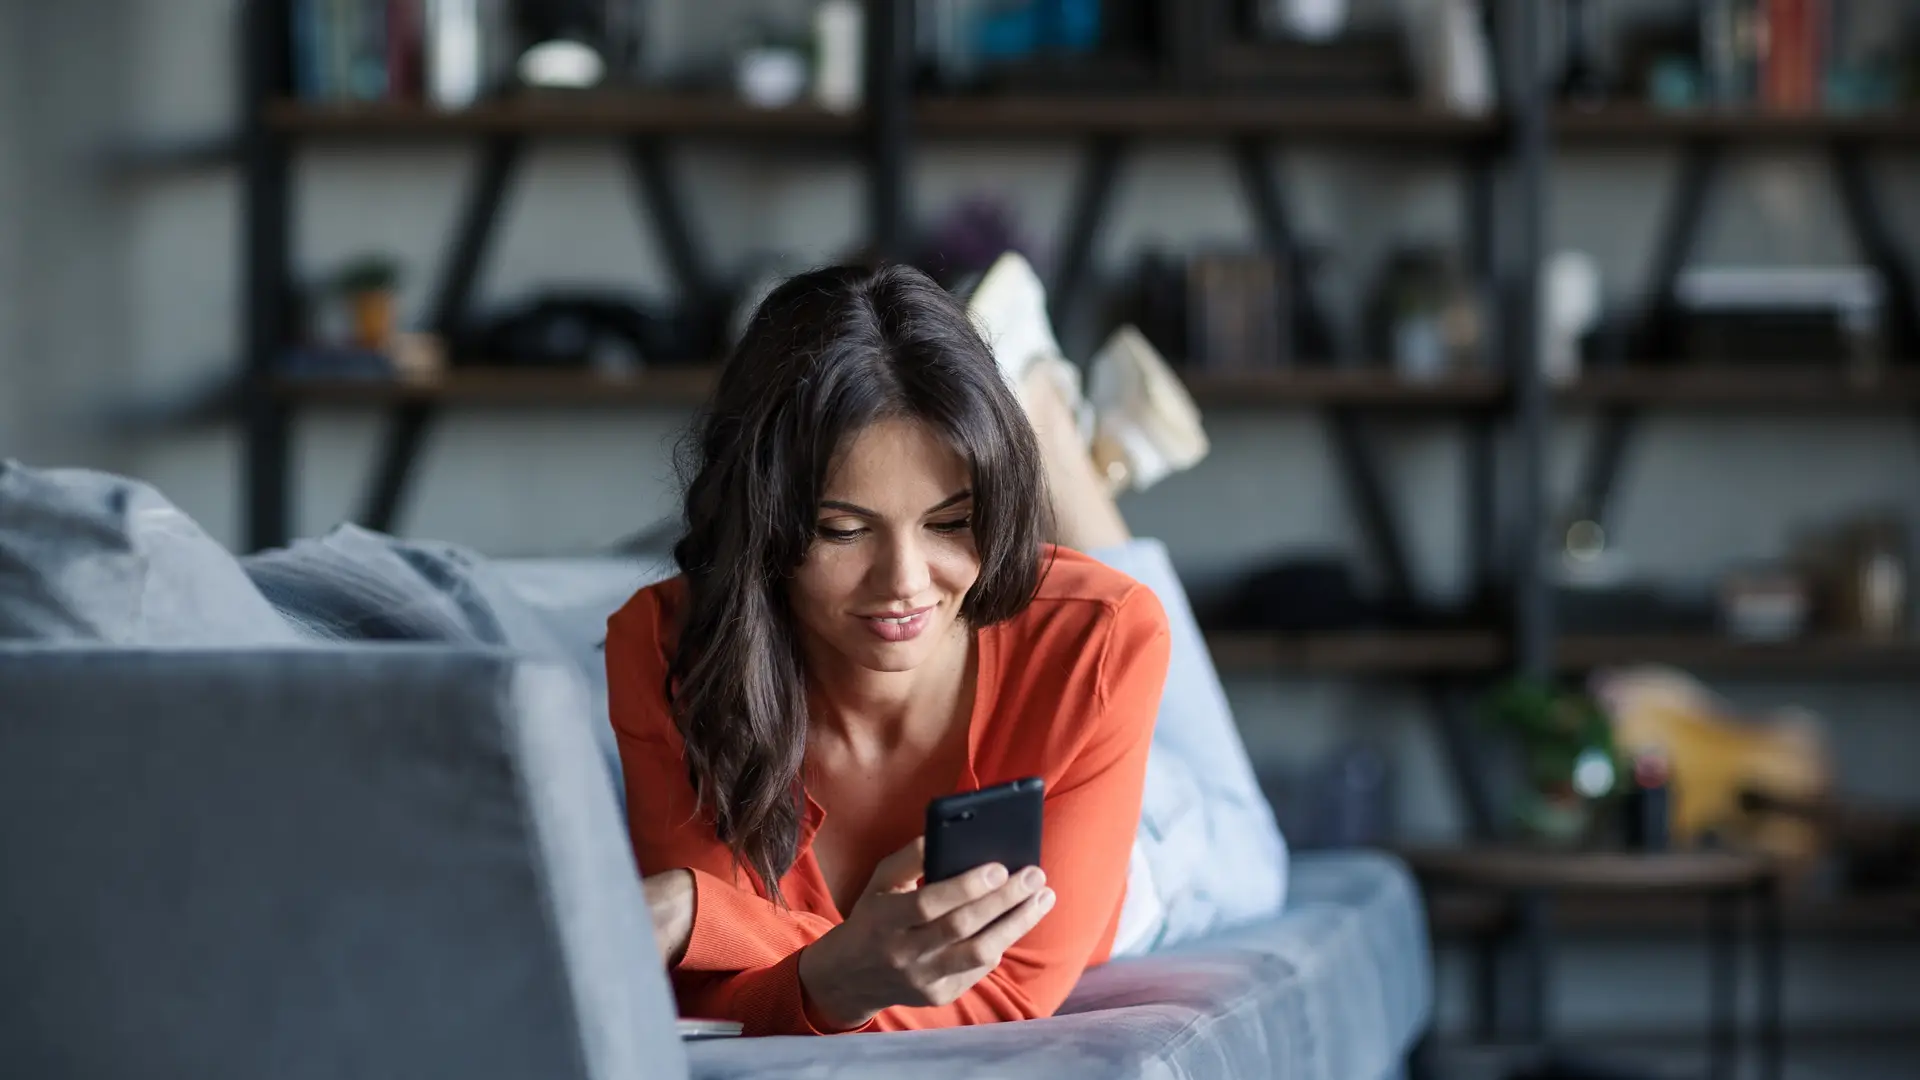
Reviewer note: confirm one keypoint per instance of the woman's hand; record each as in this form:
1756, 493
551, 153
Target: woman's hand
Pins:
670, 902
902, 945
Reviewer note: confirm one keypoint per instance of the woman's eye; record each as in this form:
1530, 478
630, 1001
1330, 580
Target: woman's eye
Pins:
838, 536
961, 525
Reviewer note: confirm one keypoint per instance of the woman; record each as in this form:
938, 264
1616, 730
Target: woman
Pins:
868, 618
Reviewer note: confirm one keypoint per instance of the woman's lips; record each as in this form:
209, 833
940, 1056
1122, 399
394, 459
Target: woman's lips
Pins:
902, 627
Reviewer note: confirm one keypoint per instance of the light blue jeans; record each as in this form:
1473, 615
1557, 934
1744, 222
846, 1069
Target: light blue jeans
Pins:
1208, 853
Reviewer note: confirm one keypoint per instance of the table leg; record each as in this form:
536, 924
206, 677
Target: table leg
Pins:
1536, 946
1487, 954
1723, 975
1772, 1030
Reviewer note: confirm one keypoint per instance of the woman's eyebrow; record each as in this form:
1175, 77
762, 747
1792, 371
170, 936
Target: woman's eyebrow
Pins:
861, 511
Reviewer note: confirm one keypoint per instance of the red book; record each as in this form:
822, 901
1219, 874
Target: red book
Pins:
403, 49
1794, 42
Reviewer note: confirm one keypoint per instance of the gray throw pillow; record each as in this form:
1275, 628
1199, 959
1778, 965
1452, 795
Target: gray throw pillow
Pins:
90, 557
357, 585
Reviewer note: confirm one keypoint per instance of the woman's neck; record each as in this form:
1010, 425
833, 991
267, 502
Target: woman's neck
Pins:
882, 709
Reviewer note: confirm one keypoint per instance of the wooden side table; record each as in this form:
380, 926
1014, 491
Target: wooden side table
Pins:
1726, 881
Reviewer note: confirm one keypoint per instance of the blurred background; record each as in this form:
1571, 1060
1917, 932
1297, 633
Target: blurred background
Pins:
1561, 366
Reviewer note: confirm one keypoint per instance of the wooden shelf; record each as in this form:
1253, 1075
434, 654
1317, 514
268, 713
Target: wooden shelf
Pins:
656, 387
1517, 867
1405, 652
1639, 123
1818, 656
690, 385
1160, 115
591, 114
1367, 387
689, 114
1813, 388
1454, 914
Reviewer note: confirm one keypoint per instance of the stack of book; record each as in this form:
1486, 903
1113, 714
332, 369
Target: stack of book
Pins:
433, 51
1801, 55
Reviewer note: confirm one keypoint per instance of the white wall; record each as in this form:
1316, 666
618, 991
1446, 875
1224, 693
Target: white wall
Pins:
134, 290
11, 242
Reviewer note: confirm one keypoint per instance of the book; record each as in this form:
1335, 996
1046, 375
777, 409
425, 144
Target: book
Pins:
1791, 61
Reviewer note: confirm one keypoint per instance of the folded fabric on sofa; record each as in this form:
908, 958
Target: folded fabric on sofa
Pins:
87, 556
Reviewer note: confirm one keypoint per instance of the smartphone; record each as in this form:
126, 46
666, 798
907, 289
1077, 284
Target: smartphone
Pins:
995, 824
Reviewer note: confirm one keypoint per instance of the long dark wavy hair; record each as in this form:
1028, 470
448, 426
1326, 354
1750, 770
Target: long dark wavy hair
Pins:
826, 354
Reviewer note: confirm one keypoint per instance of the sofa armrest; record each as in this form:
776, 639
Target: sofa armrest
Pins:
356, 861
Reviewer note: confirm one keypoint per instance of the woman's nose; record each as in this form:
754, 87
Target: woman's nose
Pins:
903, 570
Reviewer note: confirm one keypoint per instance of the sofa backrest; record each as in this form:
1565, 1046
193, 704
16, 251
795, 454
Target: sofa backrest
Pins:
388, 861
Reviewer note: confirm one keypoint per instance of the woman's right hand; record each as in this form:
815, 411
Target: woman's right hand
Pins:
902, 945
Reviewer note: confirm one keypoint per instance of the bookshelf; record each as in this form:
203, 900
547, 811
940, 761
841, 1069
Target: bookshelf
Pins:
1505, 412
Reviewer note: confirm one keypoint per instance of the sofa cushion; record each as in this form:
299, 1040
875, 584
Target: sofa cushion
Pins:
315, 863
86, 556
1336, 989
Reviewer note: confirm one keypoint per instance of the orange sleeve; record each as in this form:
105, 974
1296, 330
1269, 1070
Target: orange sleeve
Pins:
1091, 813
741, 960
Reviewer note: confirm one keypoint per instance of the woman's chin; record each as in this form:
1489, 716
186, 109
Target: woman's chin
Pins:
893, 655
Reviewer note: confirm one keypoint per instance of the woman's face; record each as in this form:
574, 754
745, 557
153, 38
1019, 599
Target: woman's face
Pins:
893, 553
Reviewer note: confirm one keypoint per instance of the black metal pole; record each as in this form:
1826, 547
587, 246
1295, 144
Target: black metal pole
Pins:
408, 424
267, 279
1723, 963
666, 208
889, 106
1092, 194
1536, 932
1773, 1050
1532, 602
1481, 460
1872, 232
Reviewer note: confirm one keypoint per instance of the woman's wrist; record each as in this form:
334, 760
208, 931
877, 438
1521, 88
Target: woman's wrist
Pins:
670, 900
824, 1004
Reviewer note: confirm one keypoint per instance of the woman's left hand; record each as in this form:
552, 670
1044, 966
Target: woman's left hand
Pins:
670, 902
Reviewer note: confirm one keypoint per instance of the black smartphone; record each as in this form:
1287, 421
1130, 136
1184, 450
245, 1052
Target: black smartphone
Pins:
995, 824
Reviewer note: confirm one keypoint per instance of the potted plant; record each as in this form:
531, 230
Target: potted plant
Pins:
1567, 749
369, 287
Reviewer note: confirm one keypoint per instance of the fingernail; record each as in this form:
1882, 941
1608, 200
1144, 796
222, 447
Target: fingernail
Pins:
1033, 877
995, 875
1046, 899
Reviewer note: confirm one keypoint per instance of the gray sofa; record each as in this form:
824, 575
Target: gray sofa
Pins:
376, 860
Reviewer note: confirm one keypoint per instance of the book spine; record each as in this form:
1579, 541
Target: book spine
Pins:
337, 39
369, 49
309, 68
1775, 43
403, 50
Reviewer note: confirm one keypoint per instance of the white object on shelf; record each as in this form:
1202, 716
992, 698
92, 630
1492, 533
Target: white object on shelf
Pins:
1570, 308
770, 78
562, 65
1770, 288
839, 35
1451, 55
1313, 20
454, 69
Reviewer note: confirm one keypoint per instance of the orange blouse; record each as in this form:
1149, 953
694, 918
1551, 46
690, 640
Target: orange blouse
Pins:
1067, 690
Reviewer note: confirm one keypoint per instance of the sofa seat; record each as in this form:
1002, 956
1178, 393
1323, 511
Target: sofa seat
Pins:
1336, 989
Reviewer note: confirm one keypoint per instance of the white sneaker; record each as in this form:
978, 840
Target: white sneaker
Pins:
1010, 307
1146, 425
